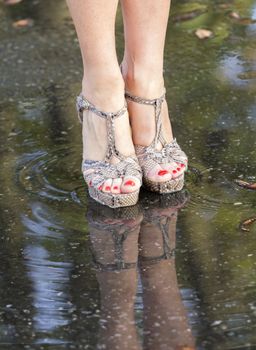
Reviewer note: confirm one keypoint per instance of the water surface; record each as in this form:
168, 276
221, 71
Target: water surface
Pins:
71, 271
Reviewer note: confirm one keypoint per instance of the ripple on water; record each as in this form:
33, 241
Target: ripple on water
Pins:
42, 224
56, 176
52, 175
211, 192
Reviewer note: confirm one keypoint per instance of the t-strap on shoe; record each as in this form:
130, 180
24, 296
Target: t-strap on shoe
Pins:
149, 157
97, 172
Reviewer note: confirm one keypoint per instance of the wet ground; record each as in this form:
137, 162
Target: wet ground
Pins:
71, 271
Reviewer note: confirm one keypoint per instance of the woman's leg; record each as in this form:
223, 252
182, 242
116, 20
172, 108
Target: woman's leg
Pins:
145, 24
102, 82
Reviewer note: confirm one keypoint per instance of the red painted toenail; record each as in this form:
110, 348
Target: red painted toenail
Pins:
129, 183
174, 171
100, 187
115, 187
182, 165
162, 172
178, 169
108, 188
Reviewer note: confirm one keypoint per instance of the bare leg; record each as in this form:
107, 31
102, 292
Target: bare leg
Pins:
145, 24
102, 82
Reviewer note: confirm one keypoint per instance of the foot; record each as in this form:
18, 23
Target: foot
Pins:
95, 136
143, 125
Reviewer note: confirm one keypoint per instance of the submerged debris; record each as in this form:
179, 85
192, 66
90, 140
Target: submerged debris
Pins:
244, 184
11, 2
245, 225
27, 22
203, 33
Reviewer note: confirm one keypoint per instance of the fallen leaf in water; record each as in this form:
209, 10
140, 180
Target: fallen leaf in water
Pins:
27, 22
247, 75
234, 15
244, 184
246, 21
11, 2
241, 20
203, 33
245, 225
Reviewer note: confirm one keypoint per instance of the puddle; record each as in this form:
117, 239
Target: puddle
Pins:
72, 271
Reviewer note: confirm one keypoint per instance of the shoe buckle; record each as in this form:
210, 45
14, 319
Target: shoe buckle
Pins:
85, 104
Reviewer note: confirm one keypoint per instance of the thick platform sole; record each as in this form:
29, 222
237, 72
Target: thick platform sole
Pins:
114, 200
170, 186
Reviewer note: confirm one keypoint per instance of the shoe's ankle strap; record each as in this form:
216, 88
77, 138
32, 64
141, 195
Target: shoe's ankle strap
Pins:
168, 251
146, 101
83, 104
157, 104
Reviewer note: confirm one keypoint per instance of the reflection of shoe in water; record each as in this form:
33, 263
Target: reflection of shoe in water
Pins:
114, 236
158, 229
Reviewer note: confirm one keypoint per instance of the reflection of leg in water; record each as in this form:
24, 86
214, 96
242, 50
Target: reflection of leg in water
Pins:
165, 320
114, 245
117, 329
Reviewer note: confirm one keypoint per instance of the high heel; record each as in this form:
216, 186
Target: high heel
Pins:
149, 157
97, 172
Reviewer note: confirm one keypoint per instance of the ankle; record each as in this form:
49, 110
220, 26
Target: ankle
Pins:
142, 80
106, 92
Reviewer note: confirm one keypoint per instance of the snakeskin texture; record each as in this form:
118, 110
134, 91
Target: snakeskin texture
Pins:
149, 157
97, 172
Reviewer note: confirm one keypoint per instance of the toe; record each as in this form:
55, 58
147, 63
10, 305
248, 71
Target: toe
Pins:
175, 169
107, 186
130, 184
159, 174
116, 185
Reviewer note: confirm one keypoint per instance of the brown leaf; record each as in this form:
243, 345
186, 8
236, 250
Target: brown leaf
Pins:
11, 2
245, 225
203, 33
246, 21
241, 20
244, 184
247, 75
27, 22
